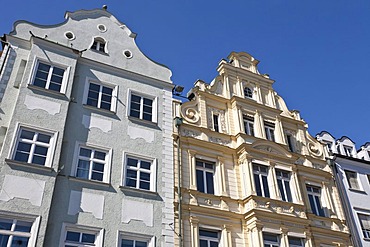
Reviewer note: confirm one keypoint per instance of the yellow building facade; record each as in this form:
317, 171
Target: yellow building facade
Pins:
250, 173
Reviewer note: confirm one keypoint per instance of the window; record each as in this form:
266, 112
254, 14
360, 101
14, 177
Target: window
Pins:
142, 107
81, 236
270, 240
208, 238
260, 180
365, 224
15, 232
248, 125
99, 45
328, 145
290, 141
205, 172
101, 96
295, 242
352, 179
50, 77
92, 164
34, 147
314, 195
135, 240
348, 150
140, 173
248, 93
216, 122
270, 130
283, 180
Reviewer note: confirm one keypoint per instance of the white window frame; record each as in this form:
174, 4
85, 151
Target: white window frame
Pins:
99, 41
66, 73
204, 171
248, 125
270, 131
283, 179
260, 175
14, 217
153, 171
249, 94
150, 240
290, 142
216, 122
356, 185
51, 147
209, 239
365, 231
316, 196
98, 232
154, 105
107, 165
271, 243
294, 245
348, 150
114, 88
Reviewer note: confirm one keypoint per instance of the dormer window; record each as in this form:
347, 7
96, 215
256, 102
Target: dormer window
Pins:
348, 150
248, 93
99, 45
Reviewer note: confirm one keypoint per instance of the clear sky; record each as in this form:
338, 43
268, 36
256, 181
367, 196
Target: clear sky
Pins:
317, 51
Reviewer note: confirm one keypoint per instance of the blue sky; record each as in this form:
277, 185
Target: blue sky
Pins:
317, 51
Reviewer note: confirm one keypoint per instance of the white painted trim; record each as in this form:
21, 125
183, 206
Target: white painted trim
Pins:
106, 84
81, 228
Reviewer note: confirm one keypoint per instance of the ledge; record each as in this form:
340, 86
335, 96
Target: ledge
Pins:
31, 166
100, 110
88, 181
146, 123
135, 192
59, 95
357, 191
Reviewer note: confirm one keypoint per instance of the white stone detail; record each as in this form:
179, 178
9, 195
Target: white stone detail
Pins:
135, 133
134, 210
24, 188
49, 106
87, 203
96, 122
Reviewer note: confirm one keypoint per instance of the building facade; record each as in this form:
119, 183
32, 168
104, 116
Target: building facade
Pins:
352, 173
86, 133
247, 172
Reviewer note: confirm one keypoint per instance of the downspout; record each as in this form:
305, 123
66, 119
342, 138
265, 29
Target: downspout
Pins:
178, 122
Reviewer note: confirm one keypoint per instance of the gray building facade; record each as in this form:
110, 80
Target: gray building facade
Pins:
86, 133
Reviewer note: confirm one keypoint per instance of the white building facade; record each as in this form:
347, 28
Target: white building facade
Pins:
352, 173
86, 134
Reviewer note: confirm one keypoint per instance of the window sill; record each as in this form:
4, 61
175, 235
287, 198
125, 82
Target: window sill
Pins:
99, 52
357, 191
367, 239
138, 191
143, 122
47, 91
100, 110
29, 165
88, 181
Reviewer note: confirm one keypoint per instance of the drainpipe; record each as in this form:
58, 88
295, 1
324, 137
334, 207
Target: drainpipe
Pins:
178, 122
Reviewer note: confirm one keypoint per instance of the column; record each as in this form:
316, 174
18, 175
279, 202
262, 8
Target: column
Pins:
258, 125
329, 202
296, 190
221, 176
279, 132
226, 236
274, 190
284, 237
194, 231
192, 170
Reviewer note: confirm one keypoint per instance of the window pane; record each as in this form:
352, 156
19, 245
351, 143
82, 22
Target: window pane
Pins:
144, 185
209, 179
281, 189
258, 185
19, 241
288, 191
203, 243
40, 160
141, 244
132, 162
5, 224
312, 204
265, 186
25, 134
99, 155
145, 165
88, 238
205, 233
85, 152
98, 167
23, 226
73, 236
200, 181
127, 243
4, 240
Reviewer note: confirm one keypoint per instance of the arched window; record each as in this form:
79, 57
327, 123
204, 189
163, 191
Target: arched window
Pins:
98, 45
248, 93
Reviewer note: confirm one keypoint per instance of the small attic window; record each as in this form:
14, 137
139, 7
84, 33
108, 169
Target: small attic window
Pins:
102, 28
127, 53
69, 35
98, 45
248, 93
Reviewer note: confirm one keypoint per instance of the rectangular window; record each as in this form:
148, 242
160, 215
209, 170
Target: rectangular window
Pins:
81, 236
328, 145
348, 150
34, 147
295, 242
205, 173
270, 131
270, 240
92, 164
209, 238
15, 232
248, 125
283, 181
142, 107
216, 122
49, 77
260, 180
365, 224
314, 196
101, 96
135, 240
290, 141
139, 173
352, 179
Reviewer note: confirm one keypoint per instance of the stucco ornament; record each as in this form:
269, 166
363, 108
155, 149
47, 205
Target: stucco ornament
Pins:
221, 113
189, 112
314, 149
